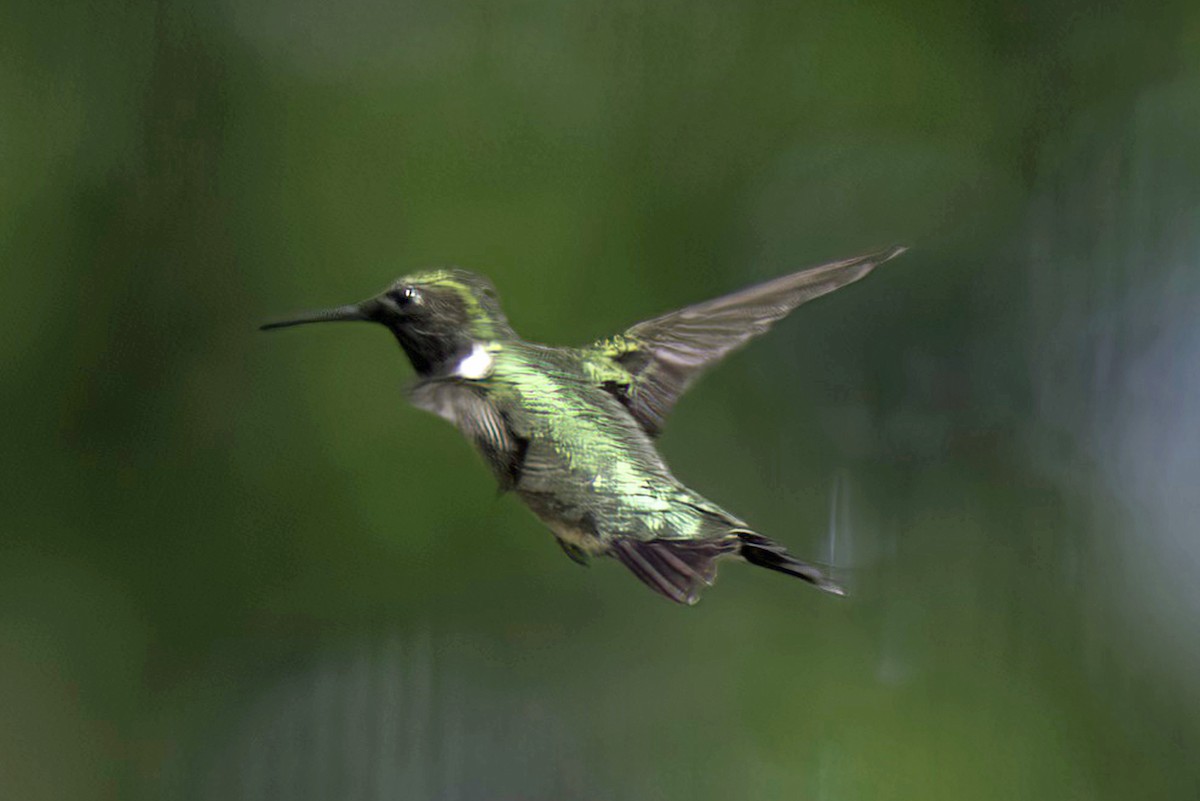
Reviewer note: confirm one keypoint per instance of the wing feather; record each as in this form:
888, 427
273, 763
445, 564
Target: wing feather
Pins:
480, 421
663, 356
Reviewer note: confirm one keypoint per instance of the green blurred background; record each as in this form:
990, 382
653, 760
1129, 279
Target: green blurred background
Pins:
238, 566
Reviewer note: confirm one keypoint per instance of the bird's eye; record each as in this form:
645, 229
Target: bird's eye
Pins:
406, 296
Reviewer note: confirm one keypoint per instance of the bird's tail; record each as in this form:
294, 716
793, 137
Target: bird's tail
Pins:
759, 550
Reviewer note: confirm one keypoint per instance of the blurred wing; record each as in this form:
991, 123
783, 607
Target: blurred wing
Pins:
480, 421
661, 357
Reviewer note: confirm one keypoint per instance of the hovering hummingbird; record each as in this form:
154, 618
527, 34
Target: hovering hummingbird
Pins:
572, 430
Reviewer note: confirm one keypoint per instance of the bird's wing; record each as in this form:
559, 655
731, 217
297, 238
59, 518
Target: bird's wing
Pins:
655, 361
481, 422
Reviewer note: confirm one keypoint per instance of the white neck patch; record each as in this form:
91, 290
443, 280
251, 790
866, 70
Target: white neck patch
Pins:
475, 365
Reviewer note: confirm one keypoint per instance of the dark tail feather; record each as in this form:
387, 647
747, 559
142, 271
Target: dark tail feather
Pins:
678, 569
758, 550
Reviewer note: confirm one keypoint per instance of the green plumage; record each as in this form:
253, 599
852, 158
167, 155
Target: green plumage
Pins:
587, 457
571, 430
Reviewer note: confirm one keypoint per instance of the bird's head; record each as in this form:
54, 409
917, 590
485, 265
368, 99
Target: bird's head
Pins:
437, 316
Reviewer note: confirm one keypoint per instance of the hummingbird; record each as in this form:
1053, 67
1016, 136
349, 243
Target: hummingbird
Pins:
571, 430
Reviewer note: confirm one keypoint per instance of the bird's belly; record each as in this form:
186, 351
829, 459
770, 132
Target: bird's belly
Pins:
590, 518
574, 534
570, 517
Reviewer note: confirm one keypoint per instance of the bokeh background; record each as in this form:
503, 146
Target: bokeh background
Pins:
238, 566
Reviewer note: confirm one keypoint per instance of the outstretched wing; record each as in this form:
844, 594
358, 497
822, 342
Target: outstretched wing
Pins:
481, 422
655, 361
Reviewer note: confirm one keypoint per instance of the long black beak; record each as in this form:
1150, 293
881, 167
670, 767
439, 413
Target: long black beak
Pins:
349, 313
